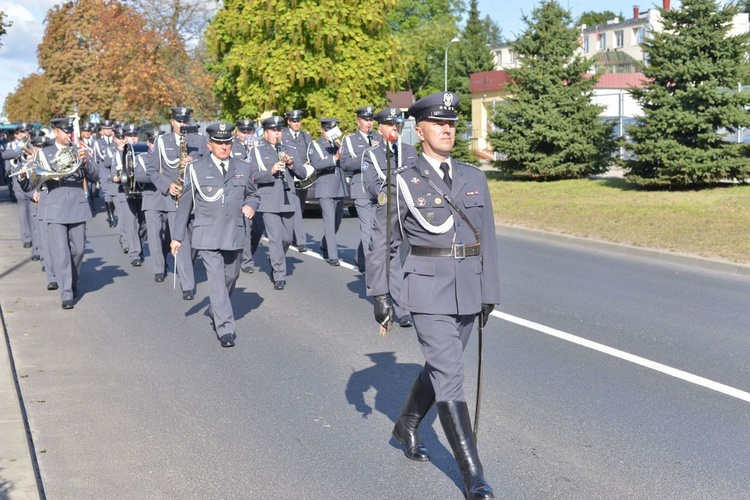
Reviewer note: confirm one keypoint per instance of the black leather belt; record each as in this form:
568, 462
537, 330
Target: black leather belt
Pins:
55, 183
456, 251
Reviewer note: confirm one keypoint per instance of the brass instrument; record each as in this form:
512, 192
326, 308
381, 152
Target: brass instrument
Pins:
127, 176
180, 181
64, 164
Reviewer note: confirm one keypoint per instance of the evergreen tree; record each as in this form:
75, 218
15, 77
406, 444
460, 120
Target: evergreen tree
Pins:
689, 100
549, 129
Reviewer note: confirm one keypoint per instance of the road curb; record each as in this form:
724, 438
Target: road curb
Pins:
724, 266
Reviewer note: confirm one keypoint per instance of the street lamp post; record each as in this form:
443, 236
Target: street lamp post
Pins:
446, 61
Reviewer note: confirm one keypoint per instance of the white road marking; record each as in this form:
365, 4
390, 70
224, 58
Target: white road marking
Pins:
667, 370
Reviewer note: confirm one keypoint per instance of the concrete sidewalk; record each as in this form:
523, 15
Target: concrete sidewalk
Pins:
18, 478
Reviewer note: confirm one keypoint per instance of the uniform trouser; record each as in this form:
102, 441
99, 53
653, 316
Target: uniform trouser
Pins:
24, 216
66, 244
279, 229
300, 234
185, 257
397, 279
222, 270
443, 339
366, 215
49, 264
156, 228
36, 237
253, 232
128, 222
332, 210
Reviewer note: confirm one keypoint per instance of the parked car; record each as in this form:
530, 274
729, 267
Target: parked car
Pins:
312, 202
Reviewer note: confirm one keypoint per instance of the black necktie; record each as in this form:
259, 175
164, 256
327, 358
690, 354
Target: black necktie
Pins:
295, 136
394, 148
446, 174
223, 170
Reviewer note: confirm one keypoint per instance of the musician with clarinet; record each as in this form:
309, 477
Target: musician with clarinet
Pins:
242, 143
442, 208
331, 187
352, 150
67, 206
273, 171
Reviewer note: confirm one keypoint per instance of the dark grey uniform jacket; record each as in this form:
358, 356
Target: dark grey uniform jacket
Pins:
437, 285
331, 181
352, 149
297, 147
167, 149
273, 198
375, 165
217, 224
67, 202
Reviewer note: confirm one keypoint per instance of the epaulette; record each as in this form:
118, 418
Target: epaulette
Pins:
403, 168
464, 164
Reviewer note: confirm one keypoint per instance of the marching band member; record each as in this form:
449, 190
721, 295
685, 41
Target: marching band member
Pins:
297, 140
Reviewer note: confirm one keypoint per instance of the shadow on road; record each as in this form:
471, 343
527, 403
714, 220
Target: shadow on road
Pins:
391, 381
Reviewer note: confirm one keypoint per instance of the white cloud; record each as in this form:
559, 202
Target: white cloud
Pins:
18, 51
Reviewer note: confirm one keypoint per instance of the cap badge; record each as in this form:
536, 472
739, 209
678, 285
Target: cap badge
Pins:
223, 127
394, 111
448, 99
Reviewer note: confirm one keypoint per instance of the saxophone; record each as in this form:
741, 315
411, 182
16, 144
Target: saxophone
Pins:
181, 166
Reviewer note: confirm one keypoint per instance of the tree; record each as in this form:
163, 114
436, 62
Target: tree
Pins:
329, 57
549, 127
592, 18
101, 56
33, 104
4, 25
422, 29
689, 100
186, 18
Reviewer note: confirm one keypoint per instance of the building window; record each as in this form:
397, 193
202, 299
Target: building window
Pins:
618, 38
586, 44
602, 41
511, 57
638, 36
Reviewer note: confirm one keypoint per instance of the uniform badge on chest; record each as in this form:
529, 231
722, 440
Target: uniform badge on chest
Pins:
430, 216
421, 202
415, 181
438, 201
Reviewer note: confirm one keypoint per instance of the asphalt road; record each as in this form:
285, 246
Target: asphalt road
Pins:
129, 395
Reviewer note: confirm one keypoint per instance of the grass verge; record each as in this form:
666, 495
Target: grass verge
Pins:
711, 223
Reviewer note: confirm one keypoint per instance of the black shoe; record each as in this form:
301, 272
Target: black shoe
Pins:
405, 322
302, 248
159, 277
36, 258
419, 401
52, 286
454, 417
135, 262
27, 244
227, 340
334, 262
125, 250
187, 295
248, 270
67, 304
279, 285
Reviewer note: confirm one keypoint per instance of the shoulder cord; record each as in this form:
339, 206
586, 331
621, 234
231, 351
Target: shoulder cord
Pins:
197, 187
163, 154
441, 229
261, 166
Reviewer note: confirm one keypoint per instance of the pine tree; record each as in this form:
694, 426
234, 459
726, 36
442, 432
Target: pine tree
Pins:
690, 100
549, 127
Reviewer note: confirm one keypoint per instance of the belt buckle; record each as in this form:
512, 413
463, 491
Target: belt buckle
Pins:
459, 251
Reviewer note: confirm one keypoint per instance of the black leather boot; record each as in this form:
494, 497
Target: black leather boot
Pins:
417, 404
454, 416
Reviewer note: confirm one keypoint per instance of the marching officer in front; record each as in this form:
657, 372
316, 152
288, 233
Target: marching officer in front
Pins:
352, 150
330, 188
67, 212
272, 171
442, 208
297, 140
164, 166
218, 192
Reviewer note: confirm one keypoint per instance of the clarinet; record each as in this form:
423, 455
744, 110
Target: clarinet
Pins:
282, 173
